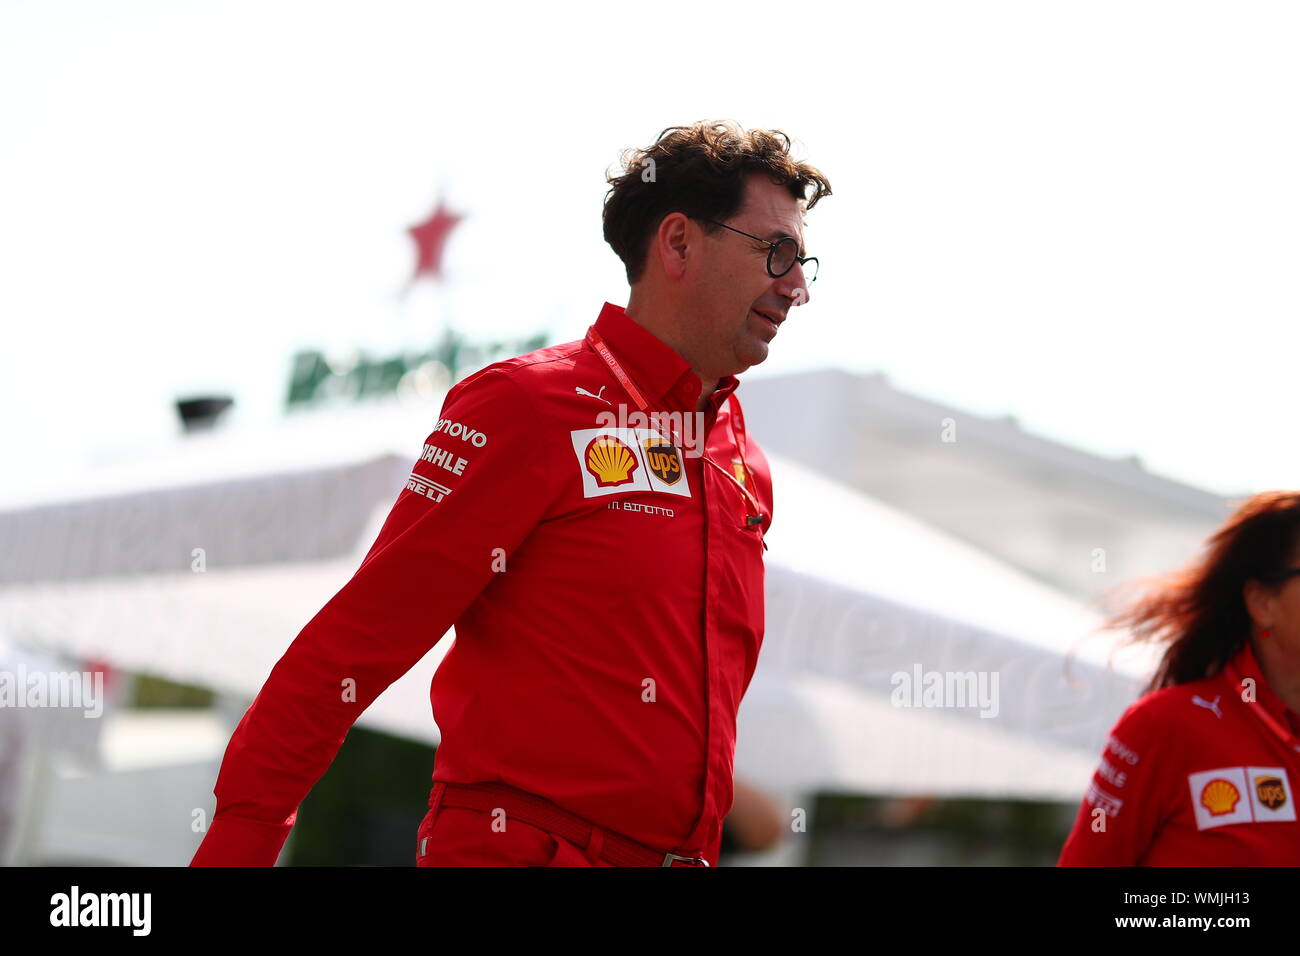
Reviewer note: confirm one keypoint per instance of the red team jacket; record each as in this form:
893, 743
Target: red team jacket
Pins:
1195, 775
605, 587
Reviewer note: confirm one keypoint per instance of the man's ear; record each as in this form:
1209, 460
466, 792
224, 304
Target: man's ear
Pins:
672, 244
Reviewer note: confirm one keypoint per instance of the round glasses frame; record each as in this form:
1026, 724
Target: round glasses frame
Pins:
772, 250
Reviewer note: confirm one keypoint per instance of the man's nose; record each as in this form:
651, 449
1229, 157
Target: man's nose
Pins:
794, 287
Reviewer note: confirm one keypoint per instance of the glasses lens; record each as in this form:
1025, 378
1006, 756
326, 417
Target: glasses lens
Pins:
810, 271
782, 256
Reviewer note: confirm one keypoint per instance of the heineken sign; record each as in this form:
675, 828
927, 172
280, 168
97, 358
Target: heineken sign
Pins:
314, 380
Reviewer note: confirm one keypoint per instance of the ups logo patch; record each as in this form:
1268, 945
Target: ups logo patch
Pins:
663, 460
1271, 791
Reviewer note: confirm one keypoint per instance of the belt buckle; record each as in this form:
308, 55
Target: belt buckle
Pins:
693, 860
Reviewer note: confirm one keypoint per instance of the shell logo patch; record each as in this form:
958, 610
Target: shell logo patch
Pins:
663, 459
1219, 796
617, 461
1240, 795
610, 461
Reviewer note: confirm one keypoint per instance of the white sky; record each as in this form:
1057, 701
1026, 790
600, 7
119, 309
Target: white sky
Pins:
1084, 215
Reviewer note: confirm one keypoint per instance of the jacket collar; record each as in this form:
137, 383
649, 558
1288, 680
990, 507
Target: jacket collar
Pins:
659, 372
1247, 665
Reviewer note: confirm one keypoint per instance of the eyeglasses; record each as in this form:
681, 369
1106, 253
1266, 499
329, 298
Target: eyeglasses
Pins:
781, 255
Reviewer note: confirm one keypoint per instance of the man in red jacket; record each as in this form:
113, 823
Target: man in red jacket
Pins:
590, 517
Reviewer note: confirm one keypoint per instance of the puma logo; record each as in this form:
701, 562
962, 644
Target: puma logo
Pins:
582, 391
1208, 704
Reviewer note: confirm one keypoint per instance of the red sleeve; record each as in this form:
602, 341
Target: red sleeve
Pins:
1131, 795
434, 555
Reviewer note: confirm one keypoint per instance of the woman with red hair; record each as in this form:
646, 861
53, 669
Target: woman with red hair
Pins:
1203, 769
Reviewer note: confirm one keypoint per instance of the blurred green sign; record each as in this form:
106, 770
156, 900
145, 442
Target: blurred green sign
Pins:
314, 379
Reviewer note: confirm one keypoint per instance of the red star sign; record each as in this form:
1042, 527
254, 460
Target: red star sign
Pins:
430, 238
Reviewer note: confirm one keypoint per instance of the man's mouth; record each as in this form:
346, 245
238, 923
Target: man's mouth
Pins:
763, 315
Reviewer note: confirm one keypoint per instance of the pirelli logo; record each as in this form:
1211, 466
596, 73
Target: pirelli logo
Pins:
423, 486
1108, 802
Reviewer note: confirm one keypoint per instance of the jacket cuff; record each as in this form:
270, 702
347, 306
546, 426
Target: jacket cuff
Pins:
237, 841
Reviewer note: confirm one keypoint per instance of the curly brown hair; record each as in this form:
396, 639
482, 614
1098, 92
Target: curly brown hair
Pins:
699, 171
1200, 611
